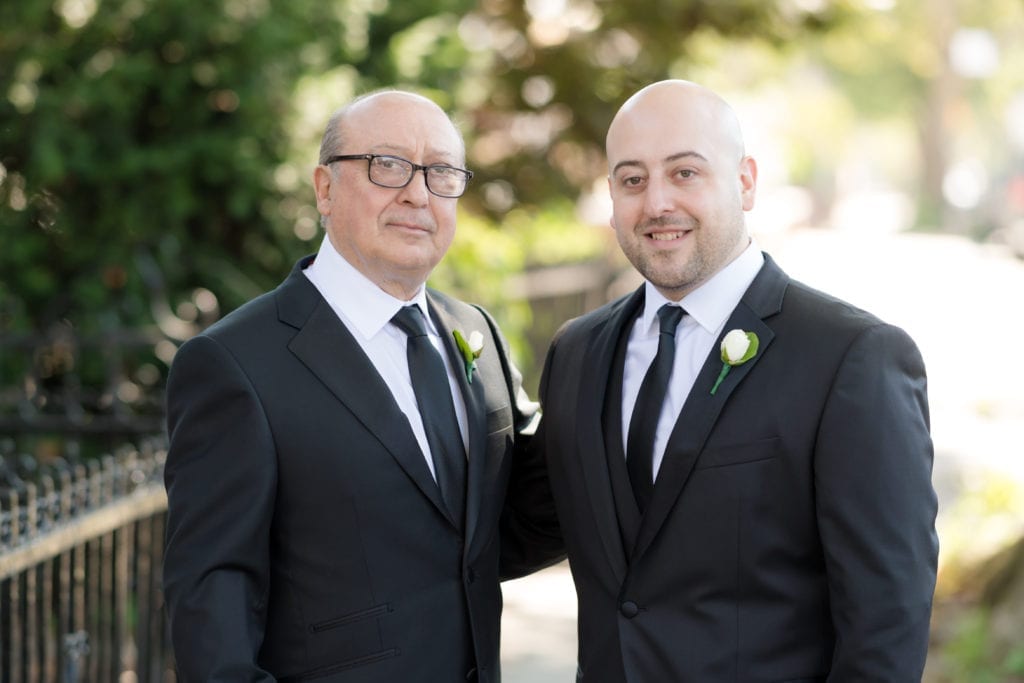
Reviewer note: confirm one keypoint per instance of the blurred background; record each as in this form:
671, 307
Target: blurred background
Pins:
155, 166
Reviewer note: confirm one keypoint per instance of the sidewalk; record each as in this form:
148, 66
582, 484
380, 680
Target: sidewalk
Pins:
538, 628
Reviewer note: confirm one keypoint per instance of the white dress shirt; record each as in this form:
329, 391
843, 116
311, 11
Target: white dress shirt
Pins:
366, 310
707, 310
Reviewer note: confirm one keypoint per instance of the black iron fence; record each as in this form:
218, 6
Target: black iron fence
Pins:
82, 505
81, 545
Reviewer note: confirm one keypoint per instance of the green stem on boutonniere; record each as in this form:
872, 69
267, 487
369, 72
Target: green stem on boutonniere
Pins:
469, 354
737, 348
725, 371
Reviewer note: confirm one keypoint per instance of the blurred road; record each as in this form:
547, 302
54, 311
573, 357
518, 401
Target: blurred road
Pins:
960, 301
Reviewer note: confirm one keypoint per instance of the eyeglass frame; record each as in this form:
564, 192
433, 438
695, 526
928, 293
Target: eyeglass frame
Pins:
412, 174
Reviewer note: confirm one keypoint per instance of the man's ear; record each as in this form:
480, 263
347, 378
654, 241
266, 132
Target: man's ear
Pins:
322, 179
748, 182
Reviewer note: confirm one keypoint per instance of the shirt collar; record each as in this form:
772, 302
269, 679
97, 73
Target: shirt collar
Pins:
711, 304
365, 305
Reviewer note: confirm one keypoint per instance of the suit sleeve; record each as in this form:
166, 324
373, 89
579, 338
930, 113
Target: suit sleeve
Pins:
220, 479
530, 536
876, 509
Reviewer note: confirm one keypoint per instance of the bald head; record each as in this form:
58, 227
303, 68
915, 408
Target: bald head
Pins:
673, 105
366, 108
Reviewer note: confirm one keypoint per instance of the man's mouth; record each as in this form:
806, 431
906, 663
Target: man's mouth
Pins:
666, 236
411, 225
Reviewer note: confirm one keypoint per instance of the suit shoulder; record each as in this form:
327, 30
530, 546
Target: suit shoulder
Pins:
826, 308
823, 315
471, 315
291, 302
245, 319
228, 337
451, 304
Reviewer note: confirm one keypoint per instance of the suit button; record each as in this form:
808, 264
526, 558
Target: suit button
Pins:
629, 609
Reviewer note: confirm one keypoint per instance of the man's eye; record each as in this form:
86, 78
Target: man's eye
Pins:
632, 181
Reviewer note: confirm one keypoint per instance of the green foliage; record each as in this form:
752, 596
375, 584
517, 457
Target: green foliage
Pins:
969, 655
553, 234
475, 269
559, 78
155, 154
145, 130
138, 132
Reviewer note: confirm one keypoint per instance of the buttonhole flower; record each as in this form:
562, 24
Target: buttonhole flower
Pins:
470, 350
737, 348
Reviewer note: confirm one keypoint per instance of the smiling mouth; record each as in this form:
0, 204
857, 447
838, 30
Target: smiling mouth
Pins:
666, 236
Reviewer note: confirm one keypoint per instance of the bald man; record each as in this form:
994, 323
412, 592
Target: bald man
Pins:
759, 513
323, 523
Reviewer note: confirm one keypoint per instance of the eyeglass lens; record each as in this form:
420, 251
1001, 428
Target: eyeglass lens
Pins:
395, 172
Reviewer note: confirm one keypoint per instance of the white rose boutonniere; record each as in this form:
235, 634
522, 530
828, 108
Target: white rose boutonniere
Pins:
737, 348
470, 350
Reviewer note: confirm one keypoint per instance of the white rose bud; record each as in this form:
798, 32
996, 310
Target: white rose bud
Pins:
734, 346
476, 342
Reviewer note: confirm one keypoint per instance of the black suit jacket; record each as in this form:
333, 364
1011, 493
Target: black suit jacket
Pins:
306, 537
790, 536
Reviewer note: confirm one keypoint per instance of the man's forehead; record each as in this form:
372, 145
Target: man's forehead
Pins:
401, 149
398, 128
664, 141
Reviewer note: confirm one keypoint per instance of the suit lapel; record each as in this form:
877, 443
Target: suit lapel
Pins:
327, 348
476, 414
701, 409
596, 368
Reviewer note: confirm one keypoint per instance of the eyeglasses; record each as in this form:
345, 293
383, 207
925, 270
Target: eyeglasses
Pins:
390, 171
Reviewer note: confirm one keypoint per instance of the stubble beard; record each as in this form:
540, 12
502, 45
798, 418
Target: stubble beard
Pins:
676, 279
672, 279
662, 268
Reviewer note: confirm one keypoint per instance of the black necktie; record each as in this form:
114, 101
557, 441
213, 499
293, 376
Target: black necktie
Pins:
434, 399
644, 423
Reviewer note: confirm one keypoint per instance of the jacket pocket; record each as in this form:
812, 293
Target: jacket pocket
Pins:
739, 454
341, 666
345, 641
344, 620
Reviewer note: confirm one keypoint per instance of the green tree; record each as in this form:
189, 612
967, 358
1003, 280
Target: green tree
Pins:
146, 147
156, 137
136, 133
144, 179
559, 71
155, 154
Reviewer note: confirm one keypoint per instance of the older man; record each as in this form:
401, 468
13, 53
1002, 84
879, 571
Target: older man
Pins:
341, 447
